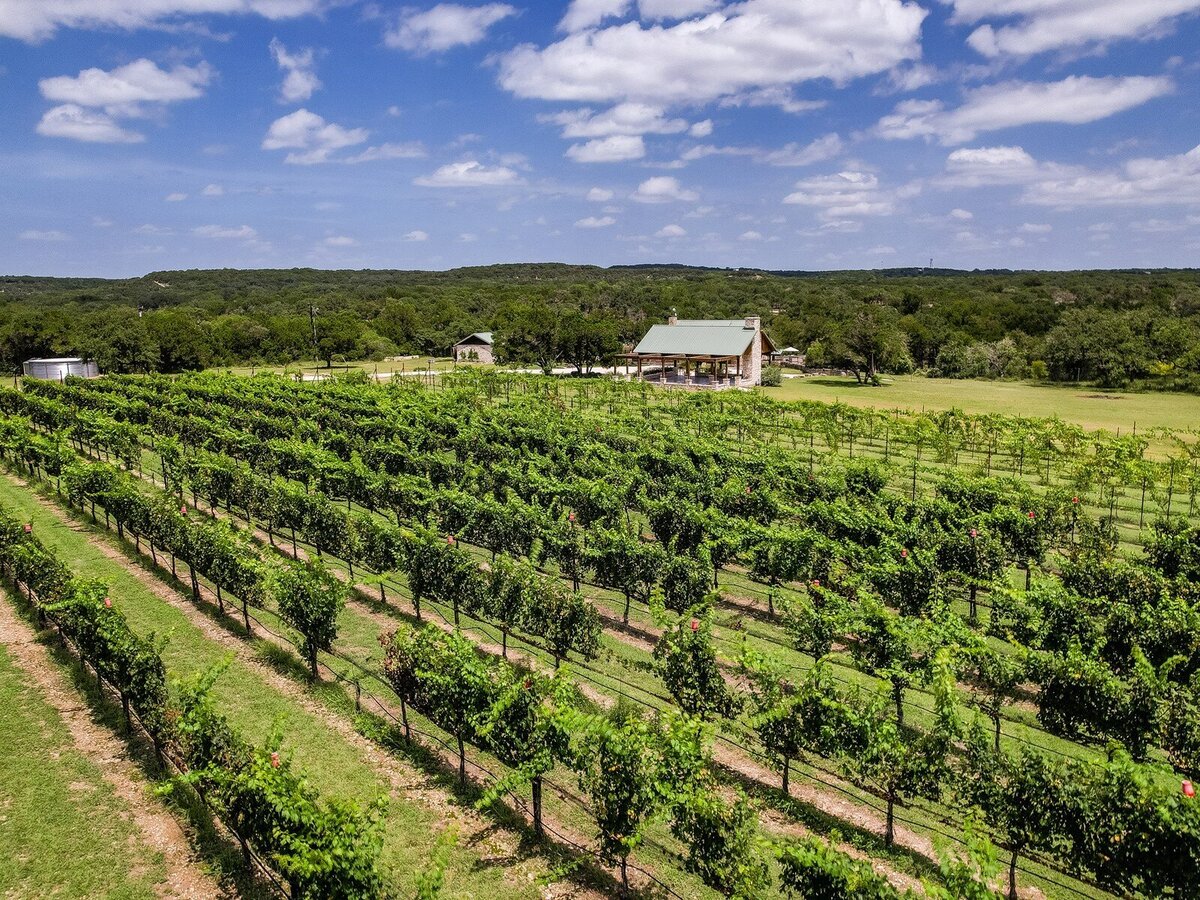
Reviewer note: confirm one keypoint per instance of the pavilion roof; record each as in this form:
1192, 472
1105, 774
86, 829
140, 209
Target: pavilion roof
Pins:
697, 337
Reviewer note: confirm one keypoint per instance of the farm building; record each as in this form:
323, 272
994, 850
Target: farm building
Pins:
704, 353
60, 368
476, 347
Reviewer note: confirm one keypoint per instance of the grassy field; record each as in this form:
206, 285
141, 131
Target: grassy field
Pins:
55, 805
1092, 408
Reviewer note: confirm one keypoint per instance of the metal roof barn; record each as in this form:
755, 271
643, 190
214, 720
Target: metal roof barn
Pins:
703, 353
61, 367
698, 337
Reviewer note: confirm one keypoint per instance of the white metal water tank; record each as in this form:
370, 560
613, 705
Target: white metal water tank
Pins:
58, 369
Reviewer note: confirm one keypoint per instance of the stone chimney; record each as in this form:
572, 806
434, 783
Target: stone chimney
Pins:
672, 319
752, 362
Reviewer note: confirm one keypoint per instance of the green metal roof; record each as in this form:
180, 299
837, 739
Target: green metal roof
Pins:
697, 337
478, 337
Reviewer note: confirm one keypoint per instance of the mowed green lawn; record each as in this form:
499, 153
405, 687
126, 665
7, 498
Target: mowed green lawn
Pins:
1090, 407
63, 830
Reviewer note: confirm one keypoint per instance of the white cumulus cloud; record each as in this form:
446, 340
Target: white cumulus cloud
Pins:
91, 103
410, 150
589, 13
675, 9
244, 232
1074, 100
624, 118
78, 124
300, 80
663, 189
980, 166
793, 155
670, 231
416, 236
599, 195
1147, 182
213, 190
596, 222
1035, 26
37, 20
847, 195
618, 148
783, 98
310, 138
122, 89
583, 14
818, 150
743, 46
445, 26
470, 173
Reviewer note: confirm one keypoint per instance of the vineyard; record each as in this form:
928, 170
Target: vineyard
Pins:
687, 645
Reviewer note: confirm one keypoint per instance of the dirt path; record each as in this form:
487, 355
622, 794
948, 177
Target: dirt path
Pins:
186, 878
492, 842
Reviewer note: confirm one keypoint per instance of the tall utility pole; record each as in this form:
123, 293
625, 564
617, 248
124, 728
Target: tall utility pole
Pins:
312, 320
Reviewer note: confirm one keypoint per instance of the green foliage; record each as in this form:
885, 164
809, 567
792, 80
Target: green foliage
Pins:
688, 666
322, 848
892, 647
620, 766
968, 876
621, 561
310, 599
724, 846
1081, 697
899, 765
995, 676
1103, 326
507, 474
93, 622
527, 726
791, 721
813, 869
432, 878
685, 582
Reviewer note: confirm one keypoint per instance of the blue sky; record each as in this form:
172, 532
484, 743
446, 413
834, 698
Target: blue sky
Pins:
805, 134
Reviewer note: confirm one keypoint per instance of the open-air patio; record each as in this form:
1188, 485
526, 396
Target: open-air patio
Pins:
710, 354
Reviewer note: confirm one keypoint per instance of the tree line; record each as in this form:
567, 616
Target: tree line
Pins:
1108, 327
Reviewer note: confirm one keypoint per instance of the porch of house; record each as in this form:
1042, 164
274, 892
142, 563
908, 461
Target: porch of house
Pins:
685, 370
